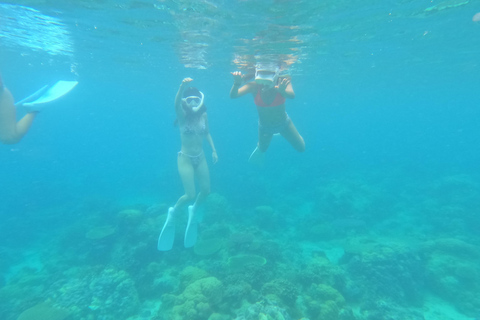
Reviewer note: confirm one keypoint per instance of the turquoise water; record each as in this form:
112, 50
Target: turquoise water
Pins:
378, 219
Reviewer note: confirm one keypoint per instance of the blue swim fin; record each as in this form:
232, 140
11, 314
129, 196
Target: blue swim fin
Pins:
47, 94
192, 229
167, 236
257, 157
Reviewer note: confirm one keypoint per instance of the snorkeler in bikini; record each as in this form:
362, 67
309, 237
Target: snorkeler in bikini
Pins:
270, 92
191, 161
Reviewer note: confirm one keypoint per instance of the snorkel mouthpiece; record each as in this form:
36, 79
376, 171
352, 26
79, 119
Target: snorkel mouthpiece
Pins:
266, 75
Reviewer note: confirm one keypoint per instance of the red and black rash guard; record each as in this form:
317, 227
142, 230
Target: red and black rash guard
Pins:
279, 100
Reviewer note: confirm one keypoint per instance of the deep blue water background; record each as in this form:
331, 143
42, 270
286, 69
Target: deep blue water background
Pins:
376, 96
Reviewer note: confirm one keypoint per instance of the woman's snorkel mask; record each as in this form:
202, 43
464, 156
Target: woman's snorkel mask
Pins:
193, 99
266, 75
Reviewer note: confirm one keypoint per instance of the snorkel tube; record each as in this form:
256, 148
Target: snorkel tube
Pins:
200, 105
191, 95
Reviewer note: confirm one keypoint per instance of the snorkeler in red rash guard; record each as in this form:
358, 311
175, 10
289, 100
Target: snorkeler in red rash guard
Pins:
11, 131
270, 92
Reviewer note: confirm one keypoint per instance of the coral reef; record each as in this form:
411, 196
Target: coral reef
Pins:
380, 310
281, 289
268, 218
236, 291
393, 271
206, 247
238, 263
191, 274
346, 198
218, 208
130, 217
44, 311
321, 270
98, 233
199, 300
243, 241
452, 273
23, 291
335, 256
323, 302
263, 310
102, 293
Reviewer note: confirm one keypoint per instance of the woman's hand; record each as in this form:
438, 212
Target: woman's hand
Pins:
214, 157
186, 81
237, 78
282, 86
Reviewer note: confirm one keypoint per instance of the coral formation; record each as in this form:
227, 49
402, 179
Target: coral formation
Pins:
282, 290
130, 217
324, 302
380, 309
263, 310
242, 241
98, 233
266, 263
206, 247
198, 301
392, 271
236, 291
238, 263
452, 273
105, 294
22, 291
266, 217
191, 274
218, 207
321, 270
44, 311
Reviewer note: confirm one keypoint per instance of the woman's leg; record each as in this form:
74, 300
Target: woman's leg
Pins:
264, 140
203, 176
187, 175
186, 171
293, 137
12, 132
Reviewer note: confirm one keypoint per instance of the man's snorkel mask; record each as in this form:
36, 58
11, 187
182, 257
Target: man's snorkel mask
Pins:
266, 75
193, 99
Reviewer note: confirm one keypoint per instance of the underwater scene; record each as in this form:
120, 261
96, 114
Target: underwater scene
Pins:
335, 178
